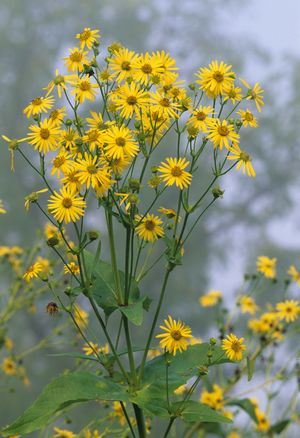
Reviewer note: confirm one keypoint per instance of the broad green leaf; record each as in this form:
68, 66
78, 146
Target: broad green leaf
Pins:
250, 367
183, 366
60, 394
134, 311
194, 411
246, 405
279, 427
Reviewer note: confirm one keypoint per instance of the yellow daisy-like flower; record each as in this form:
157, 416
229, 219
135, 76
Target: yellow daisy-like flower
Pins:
266, 266
210, 299
145, 67
71, 180
76, 60
63, 433
288, 310
57, 115
244, 160
32, 271
168, 66
295, 274
149, 228
164, 106
59, 82
33, 197
176, 336
221, 133
50, 231
169, 212
200, 117
247, 304
234, 94
263, 421
233, 347
254, 93
130, 99
94, 137
87, 37
119, 143
62, 163
71, 268
118, 165
172, 172
2, 209
66, 206
45, 264
84, 89
39, 105
215, 79
248, 118
91, 348
45, 137
81, 316
121, 64
94, 434
68, 139
214, 398
91, 172
9, 366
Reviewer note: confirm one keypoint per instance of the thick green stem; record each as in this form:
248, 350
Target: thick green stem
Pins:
140, 421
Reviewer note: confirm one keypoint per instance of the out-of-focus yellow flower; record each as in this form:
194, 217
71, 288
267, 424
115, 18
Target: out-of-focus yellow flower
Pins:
210, 299
266, 266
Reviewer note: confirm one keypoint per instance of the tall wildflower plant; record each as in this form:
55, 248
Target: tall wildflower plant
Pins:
96, 130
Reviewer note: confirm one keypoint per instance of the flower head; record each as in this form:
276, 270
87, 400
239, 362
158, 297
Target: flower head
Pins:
87, 37
149, 227
66, 205
32, 271
233, 347
266, 266
221, 133
244, 160
175, 337
39, 105
210, 299
76, 60
44, 137
172, 172
215, 79
288, 310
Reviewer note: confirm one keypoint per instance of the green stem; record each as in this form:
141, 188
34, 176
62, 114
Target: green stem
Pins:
169, 426
140, 421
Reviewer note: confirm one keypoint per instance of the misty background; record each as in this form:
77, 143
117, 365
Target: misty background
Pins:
261, 39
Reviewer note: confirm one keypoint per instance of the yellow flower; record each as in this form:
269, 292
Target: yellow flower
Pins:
87, 37
121, 64
248, 118
51, 231
181, 390
91, 172
63, 433
217, 79
33, 271
68, 139
39, 105
172, 172
195, 341
57, 115
66, 206
44, 137
76, 60
33, 197
62, 163
247, 304
71, 268
214, 398
81, 316
2, 209
168, 66
263, 422
234, 94
149, 228
91, 348
94, 434
233, 435
118, 412
210, 299
254, 93
169, 212
8, 344
200, 117
45, 264
294, 274
244, 159
164, 106
145, 67
96, 121
176, 336
84, 89
130, 100
233, 347
266, 266
9, 366
154, 352
221, 133
118, 165
94, 137
288, 310
59, 82
119, 143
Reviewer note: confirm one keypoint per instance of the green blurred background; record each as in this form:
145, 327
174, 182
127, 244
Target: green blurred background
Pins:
261, 41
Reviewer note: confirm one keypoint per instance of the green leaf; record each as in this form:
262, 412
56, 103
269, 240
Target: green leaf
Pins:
279, 427
194, 411
183, 366
250, 367
60, 394
134, 311
246, 405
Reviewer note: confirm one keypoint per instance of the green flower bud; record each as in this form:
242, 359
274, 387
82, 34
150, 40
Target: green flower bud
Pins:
192, 86
93, 235
217, 192
213, 341
69, 122
134, 184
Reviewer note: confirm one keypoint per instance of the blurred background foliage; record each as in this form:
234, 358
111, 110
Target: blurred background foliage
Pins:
254, 217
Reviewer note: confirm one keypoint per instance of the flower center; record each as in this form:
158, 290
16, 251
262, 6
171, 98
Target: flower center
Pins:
69, 136
176, 335
120, 141
201, 115
164, 102
44, 133
75, 57
288, 309
59, 80
72, 177
85, 35
93, 135
146, 68
232, 94
176, 171
245, 157
236, 346
149, 225
85, 86
218, 76
54, 114
126, 66
248, 116
37, 101
67, 202
92, 169
58, 161
223, 130
131, 100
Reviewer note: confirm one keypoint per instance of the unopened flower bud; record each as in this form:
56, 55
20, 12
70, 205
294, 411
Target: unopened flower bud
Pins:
13, 145
154, 182
134, 184
36, 117
69, 122
217, 192
93, 235
203, 371
52, 241
213, 341
192, 86
231, 121
133, 199
238, 123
